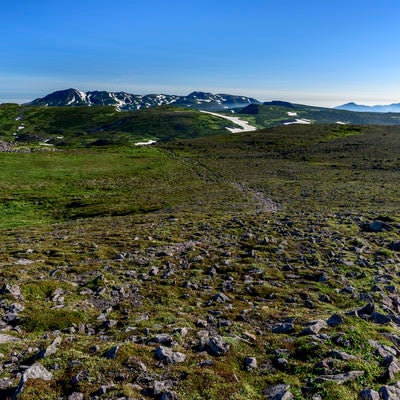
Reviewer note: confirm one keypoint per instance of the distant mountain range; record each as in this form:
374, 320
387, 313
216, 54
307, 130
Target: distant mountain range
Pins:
127, 101
395, 107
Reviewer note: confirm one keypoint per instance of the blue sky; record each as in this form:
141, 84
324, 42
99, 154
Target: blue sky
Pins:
310, 51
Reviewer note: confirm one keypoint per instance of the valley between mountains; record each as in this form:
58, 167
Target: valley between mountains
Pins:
209, 265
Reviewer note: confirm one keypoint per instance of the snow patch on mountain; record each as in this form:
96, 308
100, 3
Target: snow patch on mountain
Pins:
244, 125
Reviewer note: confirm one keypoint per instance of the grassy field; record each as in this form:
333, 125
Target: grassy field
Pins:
140, 241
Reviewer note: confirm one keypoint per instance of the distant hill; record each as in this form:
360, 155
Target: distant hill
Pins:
283, 113
87, 126
395, 107
127, 101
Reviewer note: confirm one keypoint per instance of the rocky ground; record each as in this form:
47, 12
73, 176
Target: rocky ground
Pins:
166, 306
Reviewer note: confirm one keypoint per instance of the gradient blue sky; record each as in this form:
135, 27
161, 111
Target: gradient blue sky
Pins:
310, 51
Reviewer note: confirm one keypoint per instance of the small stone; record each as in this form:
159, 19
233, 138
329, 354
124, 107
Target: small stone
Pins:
282, 363
250, 362
162, 338
111, 354
76, 396
182, 332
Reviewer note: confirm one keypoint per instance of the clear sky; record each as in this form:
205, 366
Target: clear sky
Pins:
320, 52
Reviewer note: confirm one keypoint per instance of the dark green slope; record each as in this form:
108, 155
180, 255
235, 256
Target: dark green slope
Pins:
104, 125
279, 113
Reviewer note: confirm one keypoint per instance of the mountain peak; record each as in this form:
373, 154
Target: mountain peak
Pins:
126, 101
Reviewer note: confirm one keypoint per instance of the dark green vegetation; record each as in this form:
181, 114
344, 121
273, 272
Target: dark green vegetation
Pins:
97, 126
277, 113
229, 236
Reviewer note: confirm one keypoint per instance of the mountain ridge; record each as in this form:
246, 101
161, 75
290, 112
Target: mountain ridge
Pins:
387, 108
126, 101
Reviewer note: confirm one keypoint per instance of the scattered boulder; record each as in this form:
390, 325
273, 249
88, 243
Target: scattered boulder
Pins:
111, 354
393, 367
217, 346
380, 318
278, 392
369, 394
395, 246
13, 290
50, 350
8, 338
36, 371
167, 355
335, 320
378, 226
286, 327
314, 327
390, 392
340, 378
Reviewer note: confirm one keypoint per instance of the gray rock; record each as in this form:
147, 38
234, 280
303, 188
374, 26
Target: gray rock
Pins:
379, 318
220, 298
8, 338
340, 378
50, 350
111, 354
282, 363
13, 290
335, 320
250, 362
390, 392
393, 367
369, 394
382, 349
162, 338
104, 389
314, 327
167, 355
36, 371
395, 246
366, 311
342, 355
379, 226
169, 395
278, 392
15, 308
75, 396
217, 346
286, 327
182, 332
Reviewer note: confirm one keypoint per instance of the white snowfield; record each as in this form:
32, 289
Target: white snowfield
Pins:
145, 143
245, 126
299, 121
292, 114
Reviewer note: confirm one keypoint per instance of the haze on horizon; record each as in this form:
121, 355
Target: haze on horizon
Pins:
310, 52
